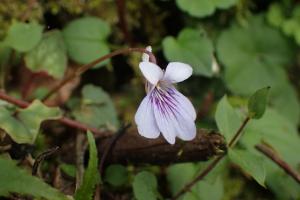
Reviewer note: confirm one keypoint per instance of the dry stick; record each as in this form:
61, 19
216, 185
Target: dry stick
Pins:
39, 159
63, 120
267, 151
211, 166
86, 67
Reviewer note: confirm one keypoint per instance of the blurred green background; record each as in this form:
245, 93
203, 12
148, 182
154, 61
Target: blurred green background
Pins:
234, 46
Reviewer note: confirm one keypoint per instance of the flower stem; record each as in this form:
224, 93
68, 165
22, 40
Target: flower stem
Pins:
212, 165
269, 152
86, 67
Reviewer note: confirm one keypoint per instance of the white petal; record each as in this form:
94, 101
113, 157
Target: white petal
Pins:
186, 104
186, 128
177, 72
165, 125
144, 118
145, 56
151, 72
173, 117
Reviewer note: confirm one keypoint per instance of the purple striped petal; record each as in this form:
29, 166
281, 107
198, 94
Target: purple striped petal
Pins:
171, 114
144, 118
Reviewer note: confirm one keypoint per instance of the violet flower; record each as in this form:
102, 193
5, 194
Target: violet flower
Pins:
164, 109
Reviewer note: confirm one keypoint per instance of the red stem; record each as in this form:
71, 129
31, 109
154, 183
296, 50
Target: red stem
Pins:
86, 67
63, 120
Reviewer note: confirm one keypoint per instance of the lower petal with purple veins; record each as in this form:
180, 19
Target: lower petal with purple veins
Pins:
145, 120
174, 114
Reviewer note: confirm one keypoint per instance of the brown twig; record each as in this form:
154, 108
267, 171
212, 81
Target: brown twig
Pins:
39, 159
86, 67
211, 166
267, 151
63, 120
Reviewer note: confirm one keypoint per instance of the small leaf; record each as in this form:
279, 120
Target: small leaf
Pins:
190, 47
96, 108
275, 15
49, 55
258, 102
116, 175
180, 174
250, 163
203, 8
16, 180
25, 127
91, 175
86, 39
145, 186
227, 119
68, 169
23, 36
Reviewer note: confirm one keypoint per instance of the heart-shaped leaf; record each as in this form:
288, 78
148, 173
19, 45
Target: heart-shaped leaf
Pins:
86, 39
23, 36
49, 55
24, 128
192, 47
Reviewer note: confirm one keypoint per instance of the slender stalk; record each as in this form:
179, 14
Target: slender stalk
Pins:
63, 120
212, 165
189, 185
39, 159
86, 67
238, 133
267, 151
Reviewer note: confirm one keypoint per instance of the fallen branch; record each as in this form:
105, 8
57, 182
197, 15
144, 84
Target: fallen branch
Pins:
135, 149
267, 151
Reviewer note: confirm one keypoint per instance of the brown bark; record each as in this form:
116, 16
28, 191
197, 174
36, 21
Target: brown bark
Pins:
135, 149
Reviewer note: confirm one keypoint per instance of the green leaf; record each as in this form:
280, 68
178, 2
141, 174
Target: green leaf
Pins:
68, 169
96, 108
250, 163
258, 102
25, 127
263, 54
145, 186
190, 47
116, 175
227, 119
91, 175
203, 8
211, 187
275, 15
23, 36
277, 131
212, 191
180, 174
280, 96
16, 180
86, 39
49, 55
253, 56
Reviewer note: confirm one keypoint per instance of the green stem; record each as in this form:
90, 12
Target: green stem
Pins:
214, 163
